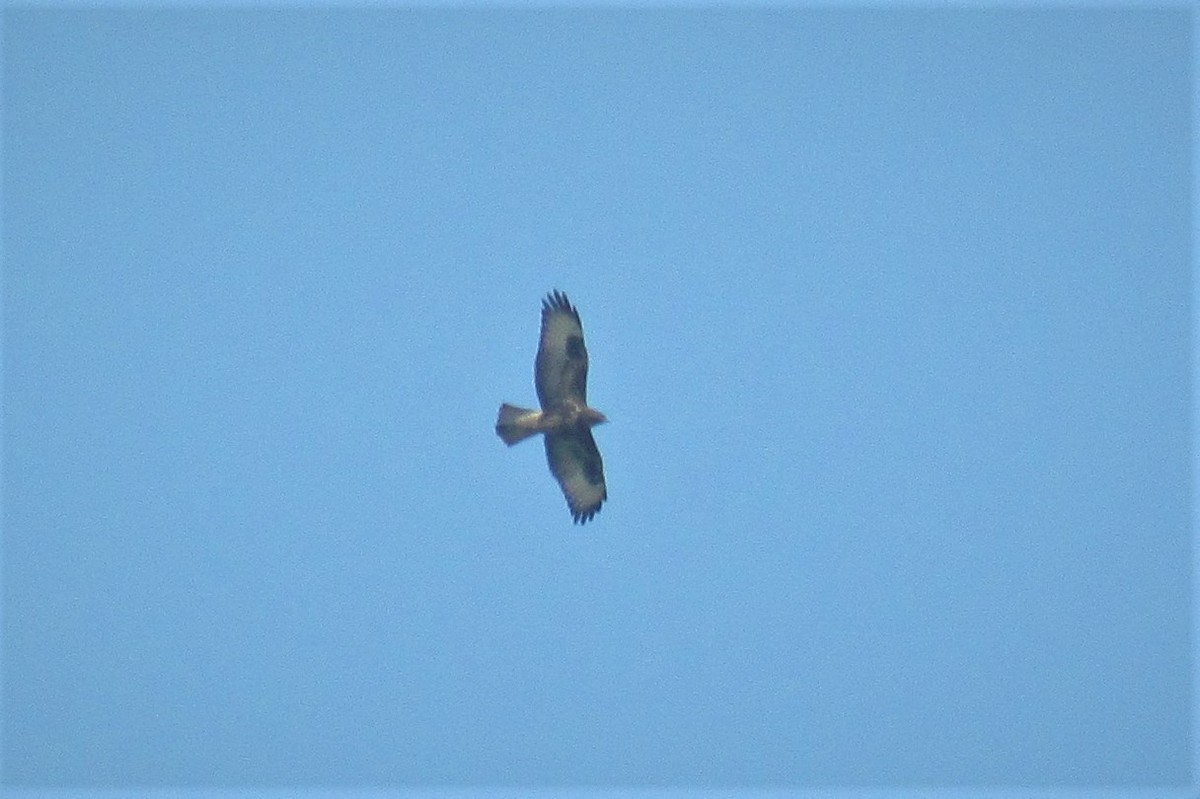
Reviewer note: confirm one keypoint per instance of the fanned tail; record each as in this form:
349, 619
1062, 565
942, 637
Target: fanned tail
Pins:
516, 424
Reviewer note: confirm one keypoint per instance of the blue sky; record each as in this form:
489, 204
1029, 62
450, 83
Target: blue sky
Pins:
890, 311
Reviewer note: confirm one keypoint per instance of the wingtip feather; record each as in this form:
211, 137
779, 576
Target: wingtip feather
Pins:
585, 516
558, 301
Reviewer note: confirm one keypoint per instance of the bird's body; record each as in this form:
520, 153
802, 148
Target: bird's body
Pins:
516, 424
560, 375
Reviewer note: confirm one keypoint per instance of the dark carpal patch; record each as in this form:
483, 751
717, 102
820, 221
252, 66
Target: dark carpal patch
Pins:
593, 470
575, 350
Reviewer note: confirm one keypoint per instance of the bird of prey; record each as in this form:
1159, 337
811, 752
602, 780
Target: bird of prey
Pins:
560, 375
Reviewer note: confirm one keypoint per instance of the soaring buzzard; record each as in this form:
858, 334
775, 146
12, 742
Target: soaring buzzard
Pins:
560, 374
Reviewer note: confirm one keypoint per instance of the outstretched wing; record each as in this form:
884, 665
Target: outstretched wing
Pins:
560, 372
575, 463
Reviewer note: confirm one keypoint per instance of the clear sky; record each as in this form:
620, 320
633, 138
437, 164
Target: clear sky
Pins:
890, 311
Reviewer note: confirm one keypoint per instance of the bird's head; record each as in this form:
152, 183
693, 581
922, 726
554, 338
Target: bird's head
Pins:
592, 417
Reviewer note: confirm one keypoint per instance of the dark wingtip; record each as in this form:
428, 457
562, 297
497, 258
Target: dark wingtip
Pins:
583, 517
557, 301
